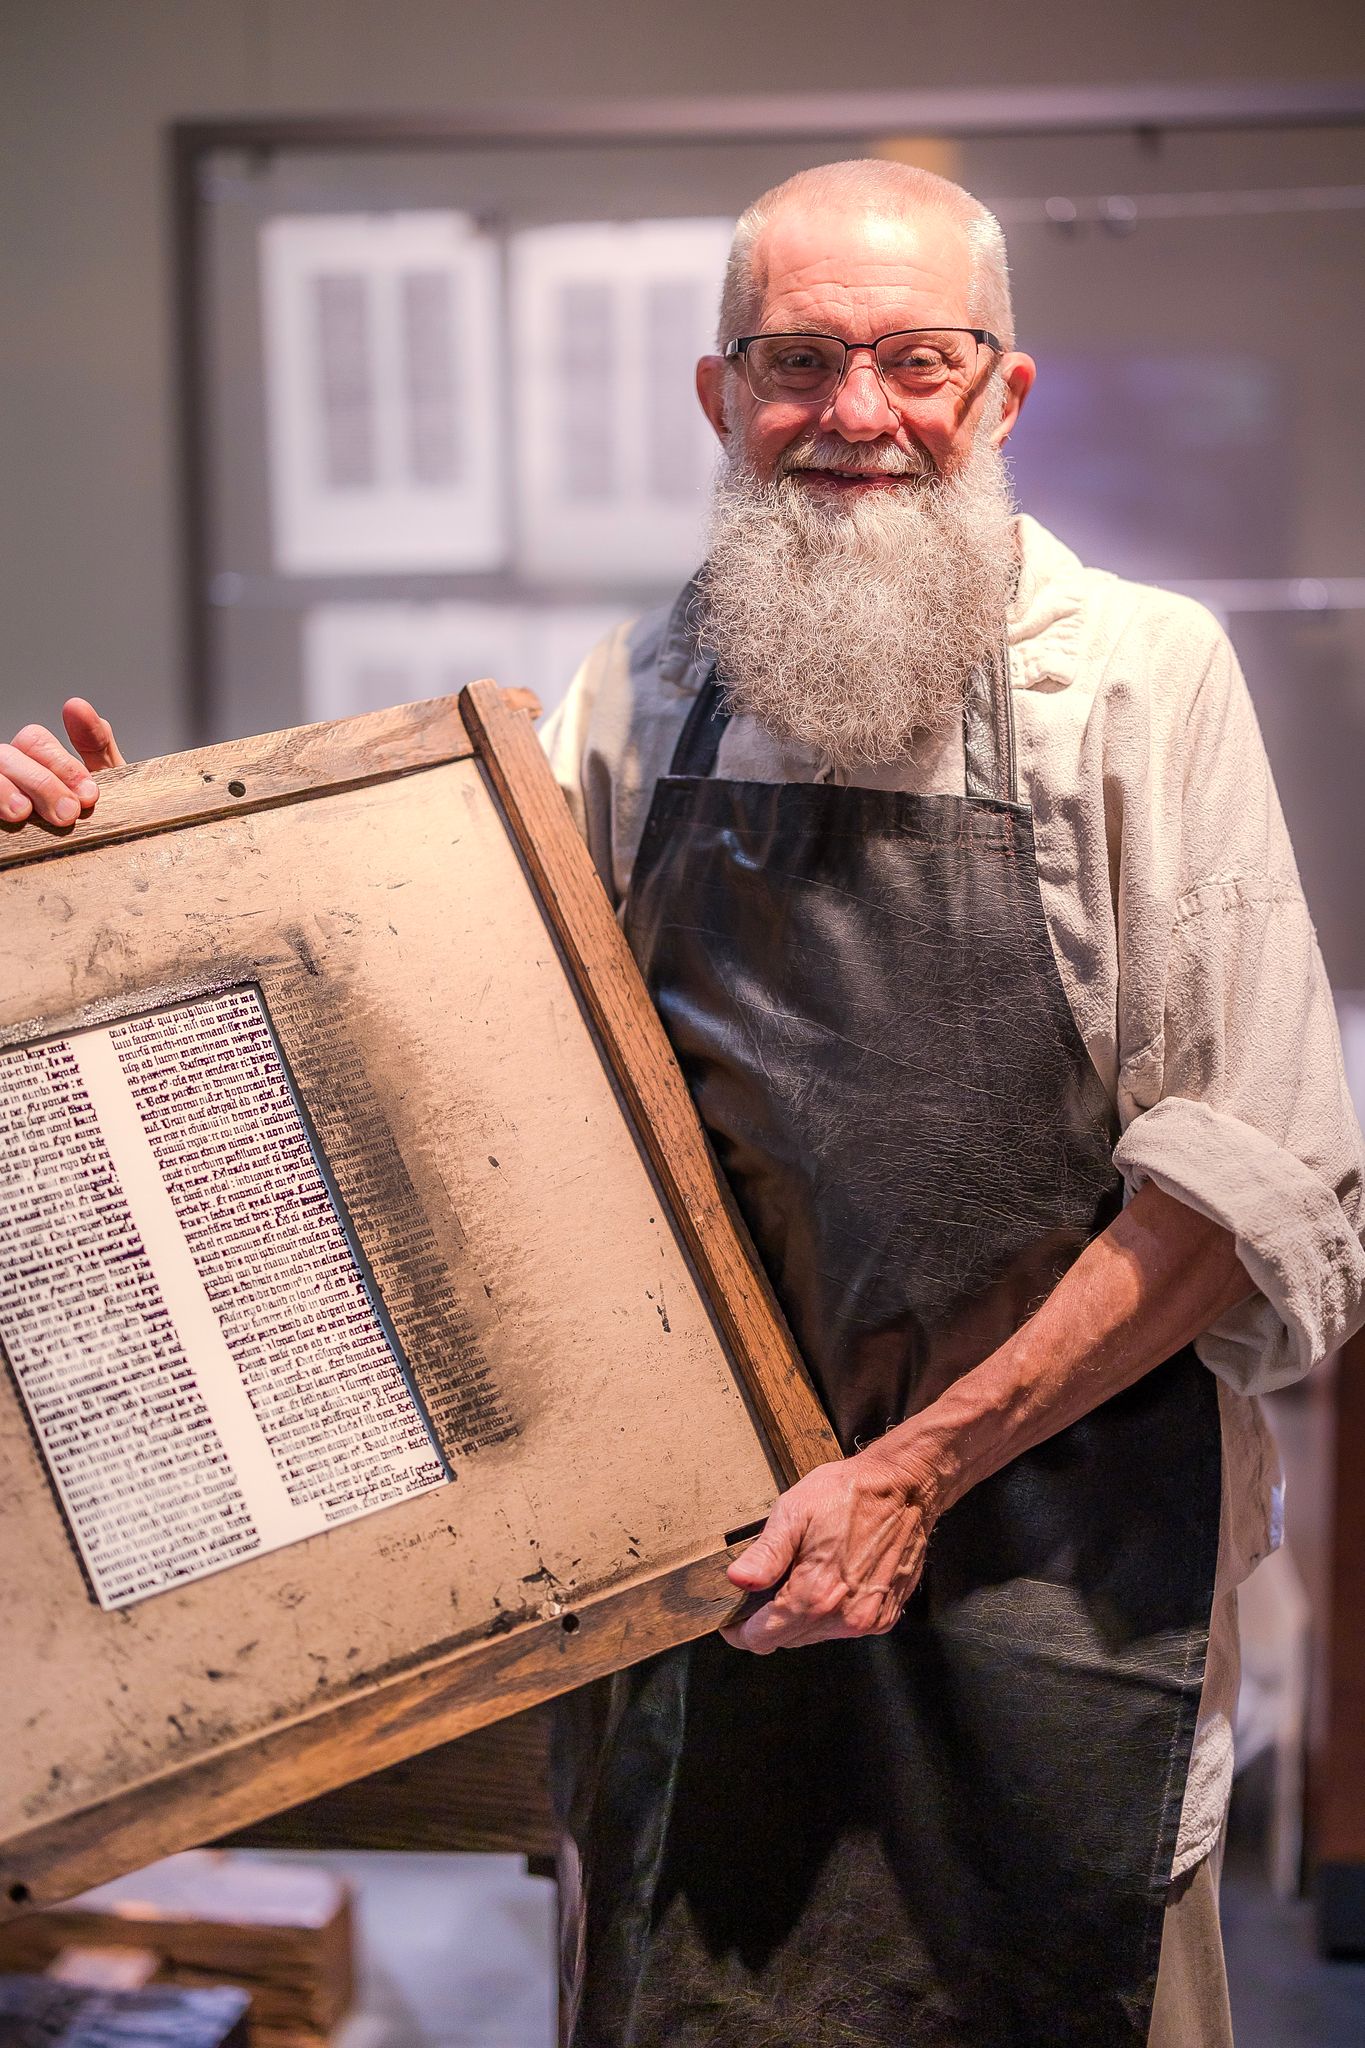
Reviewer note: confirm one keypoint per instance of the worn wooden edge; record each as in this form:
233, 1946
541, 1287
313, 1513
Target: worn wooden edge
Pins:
651, 1081
474, 1683
396, 1717
250, 775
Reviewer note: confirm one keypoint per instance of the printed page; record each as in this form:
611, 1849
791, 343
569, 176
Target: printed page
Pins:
382, 376
204, 1363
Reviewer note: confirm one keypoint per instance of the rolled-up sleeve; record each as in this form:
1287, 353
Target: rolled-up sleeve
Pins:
1232, 1091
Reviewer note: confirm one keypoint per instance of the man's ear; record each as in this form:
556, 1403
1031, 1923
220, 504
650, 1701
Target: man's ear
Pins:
1018, 372
712, 372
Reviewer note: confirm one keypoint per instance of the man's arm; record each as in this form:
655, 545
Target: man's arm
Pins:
846, 1545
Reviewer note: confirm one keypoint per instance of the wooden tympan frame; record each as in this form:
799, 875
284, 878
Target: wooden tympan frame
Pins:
156, 815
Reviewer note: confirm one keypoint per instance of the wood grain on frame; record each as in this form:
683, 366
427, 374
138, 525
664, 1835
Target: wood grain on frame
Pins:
250, 775
437, 1069
350, 1738
642, 1060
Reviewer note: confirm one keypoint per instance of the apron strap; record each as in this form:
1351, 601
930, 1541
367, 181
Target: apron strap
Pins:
703, 730
987, 732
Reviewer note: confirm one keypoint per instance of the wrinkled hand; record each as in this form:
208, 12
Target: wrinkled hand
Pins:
37, 774
844, 1549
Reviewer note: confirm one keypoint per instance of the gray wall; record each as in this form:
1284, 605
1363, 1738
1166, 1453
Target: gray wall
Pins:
87, 496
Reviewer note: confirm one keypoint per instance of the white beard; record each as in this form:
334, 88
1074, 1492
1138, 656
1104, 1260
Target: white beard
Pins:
850, 624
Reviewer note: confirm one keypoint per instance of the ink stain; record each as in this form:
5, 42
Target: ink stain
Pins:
301, 946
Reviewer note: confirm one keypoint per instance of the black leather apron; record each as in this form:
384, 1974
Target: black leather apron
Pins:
958, 1835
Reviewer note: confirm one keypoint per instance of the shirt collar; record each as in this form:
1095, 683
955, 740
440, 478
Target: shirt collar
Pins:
1047, 615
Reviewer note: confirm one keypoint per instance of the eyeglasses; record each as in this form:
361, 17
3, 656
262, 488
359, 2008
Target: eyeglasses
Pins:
807, 369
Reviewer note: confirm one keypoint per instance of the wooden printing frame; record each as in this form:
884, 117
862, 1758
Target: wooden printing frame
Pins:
393, 1718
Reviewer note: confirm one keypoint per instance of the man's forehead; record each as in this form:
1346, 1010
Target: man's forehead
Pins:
913, 266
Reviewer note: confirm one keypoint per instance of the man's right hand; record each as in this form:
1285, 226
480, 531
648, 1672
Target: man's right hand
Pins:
38, 777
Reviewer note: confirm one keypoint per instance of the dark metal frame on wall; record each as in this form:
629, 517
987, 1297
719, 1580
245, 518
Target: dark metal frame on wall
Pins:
1144, 111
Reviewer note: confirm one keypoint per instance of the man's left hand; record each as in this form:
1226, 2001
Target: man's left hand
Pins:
844, 1549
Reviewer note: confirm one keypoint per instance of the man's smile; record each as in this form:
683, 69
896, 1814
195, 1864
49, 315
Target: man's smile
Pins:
843, 480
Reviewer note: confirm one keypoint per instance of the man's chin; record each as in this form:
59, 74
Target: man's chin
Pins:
885, 510
846, 618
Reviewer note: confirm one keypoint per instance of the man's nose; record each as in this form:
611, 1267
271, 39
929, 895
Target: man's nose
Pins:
859, 408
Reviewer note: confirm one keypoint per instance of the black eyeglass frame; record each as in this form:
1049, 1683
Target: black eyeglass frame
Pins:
736, 351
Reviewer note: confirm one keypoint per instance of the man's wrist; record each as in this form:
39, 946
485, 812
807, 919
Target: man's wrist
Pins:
921, 1461
965, 1434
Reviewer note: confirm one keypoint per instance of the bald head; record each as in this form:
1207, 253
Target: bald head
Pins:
871, 197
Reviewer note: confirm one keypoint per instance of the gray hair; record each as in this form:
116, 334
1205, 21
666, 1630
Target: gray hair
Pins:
870, 184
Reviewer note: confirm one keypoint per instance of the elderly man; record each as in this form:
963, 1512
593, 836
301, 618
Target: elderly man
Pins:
958, 877
957, 874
